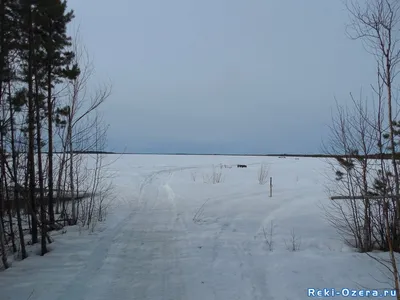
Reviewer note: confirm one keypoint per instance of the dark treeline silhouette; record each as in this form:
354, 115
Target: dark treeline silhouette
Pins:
44, 73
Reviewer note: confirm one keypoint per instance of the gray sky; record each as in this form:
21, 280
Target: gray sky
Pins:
254, 76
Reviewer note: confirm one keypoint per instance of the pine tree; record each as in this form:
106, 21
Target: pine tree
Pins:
13, 20
52, 22
31, 120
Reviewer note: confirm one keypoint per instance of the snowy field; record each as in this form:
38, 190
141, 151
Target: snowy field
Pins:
174, 234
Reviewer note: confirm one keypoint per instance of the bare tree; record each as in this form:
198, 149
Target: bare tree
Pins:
81, 132
376, 23
352, 140
31, 125
3, 247
365, 144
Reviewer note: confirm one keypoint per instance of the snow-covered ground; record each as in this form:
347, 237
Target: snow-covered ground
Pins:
172, 234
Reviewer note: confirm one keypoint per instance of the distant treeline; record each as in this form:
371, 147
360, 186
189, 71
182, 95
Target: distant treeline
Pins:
371, 156
78, 152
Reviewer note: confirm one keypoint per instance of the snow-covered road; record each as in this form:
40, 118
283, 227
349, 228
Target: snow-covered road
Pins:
158, 252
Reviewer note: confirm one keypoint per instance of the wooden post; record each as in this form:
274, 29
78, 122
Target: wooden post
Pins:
270, 186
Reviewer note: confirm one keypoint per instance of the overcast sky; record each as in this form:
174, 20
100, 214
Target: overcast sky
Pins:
231, 76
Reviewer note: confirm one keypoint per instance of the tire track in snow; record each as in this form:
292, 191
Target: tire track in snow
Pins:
177, 225
254, 275
78, 286
168, 250
164, 247
110, 236
277, 206
153, 175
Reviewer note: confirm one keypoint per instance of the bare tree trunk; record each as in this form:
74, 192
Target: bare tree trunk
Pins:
2, 63
71, 170
2, 45
31, 129
50, 154
58, 184
40, 169
3, 247
393, 261
10, 220
59, 180
388, 84
6, 194
16, 195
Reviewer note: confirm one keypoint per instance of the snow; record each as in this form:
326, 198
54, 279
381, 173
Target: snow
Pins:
172, 234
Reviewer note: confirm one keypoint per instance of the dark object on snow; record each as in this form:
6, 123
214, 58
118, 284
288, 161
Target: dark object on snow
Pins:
241, 166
